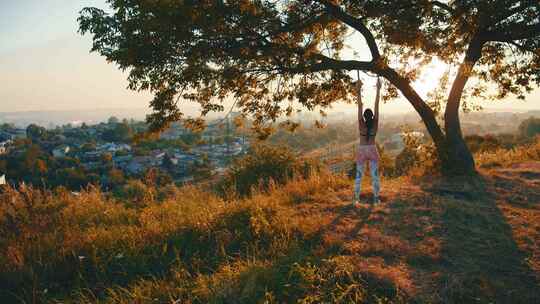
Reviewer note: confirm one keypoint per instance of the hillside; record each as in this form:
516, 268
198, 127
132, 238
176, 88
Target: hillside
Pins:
431, 241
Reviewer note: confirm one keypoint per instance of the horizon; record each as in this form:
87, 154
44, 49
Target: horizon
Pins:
56, 118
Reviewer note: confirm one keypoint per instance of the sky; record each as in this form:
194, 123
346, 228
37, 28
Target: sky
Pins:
46, 65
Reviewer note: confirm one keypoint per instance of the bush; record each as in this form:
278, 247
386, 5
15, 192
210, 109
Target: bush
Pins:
406, 160
500, 157
137, 193
477, 143
529, 128
260, 166
419, 157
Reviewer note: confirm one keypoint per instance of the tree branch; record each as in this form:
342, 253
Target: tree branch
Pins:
515, 32
521, 48
355, 23
326, 63
444, 6
510, 12
427, 114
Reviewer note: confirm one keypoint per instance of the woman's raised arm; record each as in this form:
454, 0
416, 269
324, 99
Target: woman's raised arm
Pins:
361, 123
377, 98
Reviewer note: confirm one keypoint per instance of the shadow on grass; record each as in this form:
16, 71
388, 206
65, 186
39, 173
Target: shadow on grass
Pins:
344, 281
480, 260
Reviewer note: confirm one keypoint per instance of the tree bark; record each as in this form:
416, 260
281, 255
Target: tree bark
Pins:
454, 155
425, 112
459, 159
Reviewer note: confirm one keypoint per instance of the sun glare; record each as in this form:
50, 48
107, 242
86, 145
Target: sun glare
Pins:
430, 77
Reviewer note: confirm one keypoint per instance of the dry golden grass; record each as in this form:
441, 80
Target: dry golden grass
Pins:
507, 157
431, 241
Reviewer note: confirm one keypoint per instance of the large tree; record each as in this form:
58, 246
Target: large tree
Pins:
269, 55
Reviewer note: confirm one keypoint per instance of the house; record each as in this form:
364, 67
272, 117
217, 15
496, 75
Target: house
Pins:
182, 162
91, 131
208, 138
122, 159
122, 162
134, 167
139, 164
3, 146
91, 165
4, 136
114, 147
61, 151
172, 133
19, 133
90, 156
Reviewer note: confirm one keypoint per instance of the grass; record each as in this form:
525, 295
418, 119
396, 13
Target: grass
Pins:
432, 241
506, 157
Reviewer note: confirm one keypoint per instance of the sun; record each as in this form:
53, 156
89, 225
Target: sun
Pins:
430, 77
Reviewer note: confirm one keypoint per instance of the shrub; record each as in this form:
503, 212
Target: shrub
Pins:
405, 160
518, 153
529, 128
477, 143
420, 157
137, 193
262, 165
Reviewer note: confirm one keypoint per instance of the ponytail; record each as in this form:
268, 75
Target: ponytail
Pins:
370, 121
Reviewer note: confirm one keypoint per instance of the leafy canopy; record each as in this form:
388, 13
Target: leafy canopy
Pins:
271, 55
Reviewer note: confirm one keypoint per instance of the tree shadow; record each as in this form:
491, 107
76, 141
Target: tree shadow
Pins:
452, 235
345, 227
480, 261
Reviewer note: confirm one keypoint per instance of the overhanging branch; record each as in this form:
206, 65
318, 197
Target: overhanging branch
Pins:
355, 23
515, 32
325, 63
444, 6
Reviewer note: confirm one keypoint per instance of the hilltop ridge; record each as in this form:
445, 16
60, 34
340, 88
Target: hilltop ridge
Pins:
430, 241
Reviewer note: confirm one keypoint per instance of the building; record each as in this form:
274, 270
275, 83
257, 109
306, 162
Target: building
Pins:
4, 145
122, 161
61, 151
114, 147
140, 163
12, 134
172, 133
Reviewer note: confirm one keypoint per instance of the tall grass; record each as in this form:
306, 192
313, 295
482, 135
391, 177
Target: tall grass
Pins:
504, 157
189, 247
185, 245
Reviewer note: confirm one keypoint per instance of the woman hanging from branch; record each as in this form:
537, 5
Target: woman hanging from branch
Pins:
368, 124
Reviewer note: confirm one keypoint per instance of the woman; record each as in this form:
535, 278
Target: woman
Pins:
368, 124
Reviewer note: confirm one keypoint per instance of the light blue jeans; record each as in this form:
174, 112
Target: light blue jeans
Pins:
375, 181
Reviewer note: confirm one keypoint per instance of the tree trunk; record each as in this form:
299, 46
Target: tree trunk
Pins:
458, 159
454, 155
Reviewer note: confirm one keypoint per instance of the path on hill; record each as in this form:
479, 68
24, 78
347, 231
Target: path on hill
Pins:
442, 241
